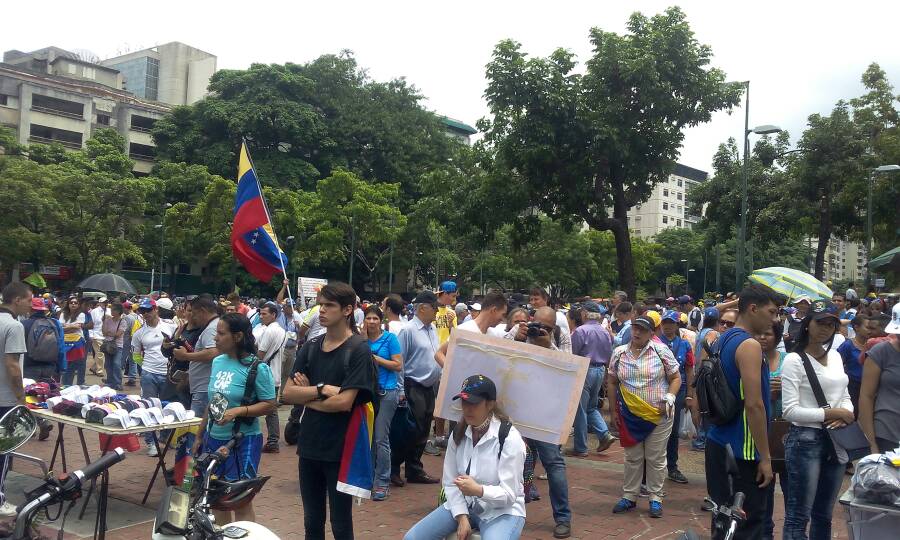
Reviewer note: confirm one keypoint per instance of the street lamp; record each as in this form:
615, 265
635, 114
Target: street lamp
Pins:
765, 129
876, 170
162, 243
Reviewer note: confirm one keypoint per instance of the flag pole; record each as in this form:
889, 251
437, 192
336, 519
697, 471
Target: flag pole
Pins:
269, 218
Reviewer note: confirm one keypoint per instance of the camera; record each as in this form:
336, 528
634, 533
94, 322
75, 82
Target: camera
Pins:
534, 329
169, 346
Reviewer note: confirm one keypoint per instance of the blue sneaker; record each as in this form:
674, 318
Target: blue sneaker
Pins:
623, 505
380, 494
656, 509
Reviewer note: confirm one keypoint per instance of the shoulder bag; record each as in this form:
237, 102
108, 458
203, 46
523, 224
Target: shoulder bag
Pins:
849, 442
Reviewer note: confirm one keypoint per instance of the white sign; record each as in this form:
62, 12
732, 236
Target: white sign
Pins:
538, 388
879, 282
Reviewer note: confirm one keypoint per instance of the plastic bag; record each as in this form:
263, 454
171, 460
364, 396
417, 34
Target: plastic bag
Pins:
876, 480
687, 430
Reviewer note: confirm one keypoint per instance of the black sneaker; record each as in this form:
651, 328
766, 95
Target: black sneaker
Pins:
676, 476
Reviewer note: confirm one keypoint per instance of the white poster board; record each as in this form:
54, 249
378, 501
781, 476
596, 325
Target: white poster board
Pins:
308, 289
538, 388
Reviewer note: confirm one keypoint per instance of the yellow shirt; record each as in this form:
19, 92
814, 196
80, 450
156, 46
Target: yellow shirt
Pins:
444, 322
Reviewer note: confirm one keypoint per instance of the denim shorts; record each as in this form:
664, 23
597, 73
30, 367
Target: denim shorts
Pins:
244, 459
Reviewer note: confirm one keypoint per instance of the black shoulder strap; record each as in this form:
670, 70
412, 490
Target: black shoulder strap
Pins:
814, 381
501, 435
249, 391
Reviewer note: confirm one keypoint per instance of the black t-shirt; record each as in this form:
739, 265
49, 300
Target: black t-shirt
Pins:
321, 435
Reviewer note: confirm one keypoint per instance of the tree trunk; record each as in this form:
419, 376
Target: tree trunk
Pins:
618, 224
824, 233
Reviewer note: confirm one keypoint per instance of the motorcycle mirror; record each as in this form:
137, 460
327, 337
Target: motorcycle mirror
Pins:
16, 427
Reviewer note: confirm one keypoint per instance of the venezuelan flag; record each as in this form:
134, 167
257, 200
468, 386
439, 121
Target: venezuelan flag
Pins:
75, 347
357, 468
636, 418
184, 438
253, 240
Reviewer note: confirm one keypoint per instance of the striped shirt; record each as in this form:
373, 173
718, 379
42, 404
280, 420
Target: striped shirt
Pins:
647, 374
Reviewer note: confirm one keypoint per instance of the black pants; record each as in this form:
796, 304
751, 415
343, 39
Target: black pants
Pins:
421, 403
672, 445
756, 497
318, 478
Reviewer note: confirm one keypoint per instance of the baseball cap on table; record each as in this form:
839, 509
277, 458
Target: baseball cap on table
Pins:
684, 299
823, 309
644, 322
165, 303
425, 297
147, 303
476, 389
893, 327
37, 304
448, 287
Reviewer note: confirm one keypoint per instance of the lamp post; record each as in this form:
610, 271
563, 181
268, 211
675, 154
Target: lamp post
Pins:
742, 232
685, 261
876, 170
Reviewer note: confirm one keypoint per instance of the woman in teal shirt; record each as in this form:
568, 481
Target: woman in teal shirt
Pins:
228, 377
388, 357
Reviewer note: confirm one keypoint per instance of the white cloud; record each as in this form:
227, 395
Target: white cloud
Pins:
801, 57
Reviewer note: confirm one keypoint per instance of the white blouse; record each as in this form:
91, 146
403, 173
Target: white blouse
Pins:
502, 479
798, 401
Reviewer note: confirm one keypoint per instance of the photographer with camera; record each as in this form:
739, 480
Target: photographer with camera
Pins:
203, 316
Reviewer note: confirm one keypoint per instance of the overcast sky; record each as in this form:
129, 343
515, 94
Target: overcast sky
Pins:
801, 57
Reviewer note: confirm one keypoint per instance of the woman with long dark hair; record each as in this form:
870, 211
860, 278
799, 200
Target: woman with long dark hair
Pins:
228, 378
72, 319
113, 330
814, 473
388, 357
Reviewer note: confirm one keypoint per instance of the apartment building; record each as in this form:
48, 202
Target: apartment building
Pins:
668, 204
458, 129
844, 260
173, 73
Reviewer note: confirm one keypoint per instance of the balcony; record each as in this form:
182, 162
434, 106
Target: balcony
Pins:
57, 107
57, 112
141, 152
47, 140
141, 124
49, 135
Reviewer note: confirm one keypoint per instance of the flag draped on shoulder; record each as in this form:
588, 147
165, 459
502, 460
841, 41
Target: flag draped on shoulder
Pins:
253, 240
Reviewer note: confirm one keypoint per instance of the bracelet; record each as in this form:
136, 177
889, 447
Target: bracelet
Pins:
247, 410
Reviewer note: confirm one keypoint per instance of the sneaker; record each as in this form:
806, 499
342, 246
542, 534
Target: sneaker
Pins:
431, 449
606, 442
7, 510
380, 493
440, 442
676, 476
656, 509
271, 448
152, 451
623, 505
707, 505
130, 382
562, 530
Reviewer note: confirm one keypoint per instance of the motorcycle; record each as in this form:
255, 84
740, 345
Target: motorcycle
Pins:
726, 518
183, 515
16, 428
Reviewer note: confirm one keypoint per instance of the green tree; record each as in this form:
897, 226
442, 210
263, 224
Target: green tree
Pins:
593, 145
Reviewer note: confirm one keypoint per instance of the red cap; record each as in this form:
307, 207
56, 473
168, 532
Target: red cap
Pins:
37, 304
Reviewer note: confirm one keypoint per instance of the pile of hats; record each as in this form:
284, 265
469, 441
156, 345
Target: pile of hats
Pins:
125, 411
37, 392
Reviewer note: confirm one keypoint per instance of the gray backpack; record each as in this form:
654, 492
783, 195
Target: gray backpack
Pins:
42, 342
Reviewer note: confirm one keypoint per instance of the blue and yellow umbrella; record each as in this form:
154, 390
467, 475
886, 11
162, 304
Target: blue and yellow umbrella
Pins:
791, 283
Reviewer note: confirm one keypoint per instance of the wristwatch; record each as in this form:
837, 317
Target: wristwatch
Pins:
319, 388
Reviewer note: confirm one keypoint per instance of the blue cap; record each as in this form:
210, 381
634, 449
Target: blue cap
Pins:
684, 299
672, 316
448, 287
593, 307
147, 303
711, 313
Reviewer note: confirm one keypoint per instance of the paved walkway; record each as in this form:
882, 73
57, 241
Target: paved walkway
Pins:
594, 487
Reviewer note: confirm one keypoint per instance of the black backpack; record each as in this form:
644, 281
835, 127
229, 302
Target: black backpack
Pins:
42, 342
717, 402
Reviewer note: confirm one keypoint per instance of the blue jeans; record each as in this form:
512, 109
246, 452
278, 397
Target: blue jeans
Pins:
382, 438
74, 371
814, 479
131, 367
152, 386
113, 367
672, 445
555, 466
199, 401
588, 416
440, 523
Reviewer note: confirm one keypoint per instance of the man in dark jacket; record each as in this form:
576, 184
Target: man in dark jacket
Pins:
42, 365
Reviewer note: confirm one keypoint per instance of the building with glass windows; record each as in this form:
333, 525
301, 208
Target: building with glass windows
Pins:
173, 73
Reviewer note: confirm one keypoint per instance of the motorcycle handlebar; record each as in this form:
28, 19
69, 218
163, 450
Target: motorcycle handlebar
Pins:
77, 478
739, 500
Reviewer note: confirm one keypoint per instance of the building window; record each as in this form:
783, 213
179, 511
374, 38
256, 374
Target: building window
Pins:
90, 73
665, 193
103, 119
141, 151
73, 69
678, 196
49, 135
60, 107
679, 182
151, 89
665, 206
678, 222
142, 123
637, 218
4, 99
665, 219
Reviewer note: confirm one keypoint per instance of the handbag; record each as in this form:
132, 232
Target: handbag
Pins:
403, 426
849, 442
108, 348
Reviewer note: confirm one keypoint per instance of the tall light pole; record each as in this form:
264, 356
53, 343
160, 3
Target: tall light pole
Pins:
686, 289
352, 250
876, 170
685, 261
745, 175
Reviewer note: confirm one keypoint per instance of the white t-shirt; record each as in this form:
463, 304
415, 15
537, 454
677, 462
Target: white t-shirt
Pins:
394, 327
79, 319
270, 338
311, 320
198, 372
471, 326
797, 398
148, 341
97, 318
562, 322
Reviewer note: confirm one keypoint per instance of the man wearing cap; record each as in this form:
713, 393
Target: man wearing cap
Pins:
474, 310
445, 321
593, 341
686, 305
681, 349
147, 341
421, 376
40, 331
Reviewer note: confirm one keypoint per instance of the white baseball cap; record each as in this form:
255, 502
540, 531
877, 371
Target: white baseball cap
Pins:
164, 303
893, 327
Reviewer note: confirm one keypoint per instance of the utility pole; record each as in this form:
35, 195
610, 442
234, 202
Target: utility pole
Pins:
352, 250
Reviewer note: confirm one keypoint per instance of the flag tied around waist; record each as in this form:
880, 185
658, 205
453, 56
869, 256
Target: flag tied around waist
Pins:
636, 418
253, 239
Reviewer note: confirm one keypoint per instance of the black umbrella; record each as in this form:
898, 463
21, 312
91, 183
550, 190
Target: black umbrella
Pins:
108, 283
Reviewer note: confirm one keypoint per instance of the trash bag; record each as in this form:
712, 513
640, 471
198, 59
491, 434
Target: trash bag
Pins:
687, 430
876, 480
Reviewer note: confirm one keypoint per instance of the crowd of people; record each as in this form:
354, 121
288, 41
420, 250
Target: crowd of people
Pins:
325, 359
